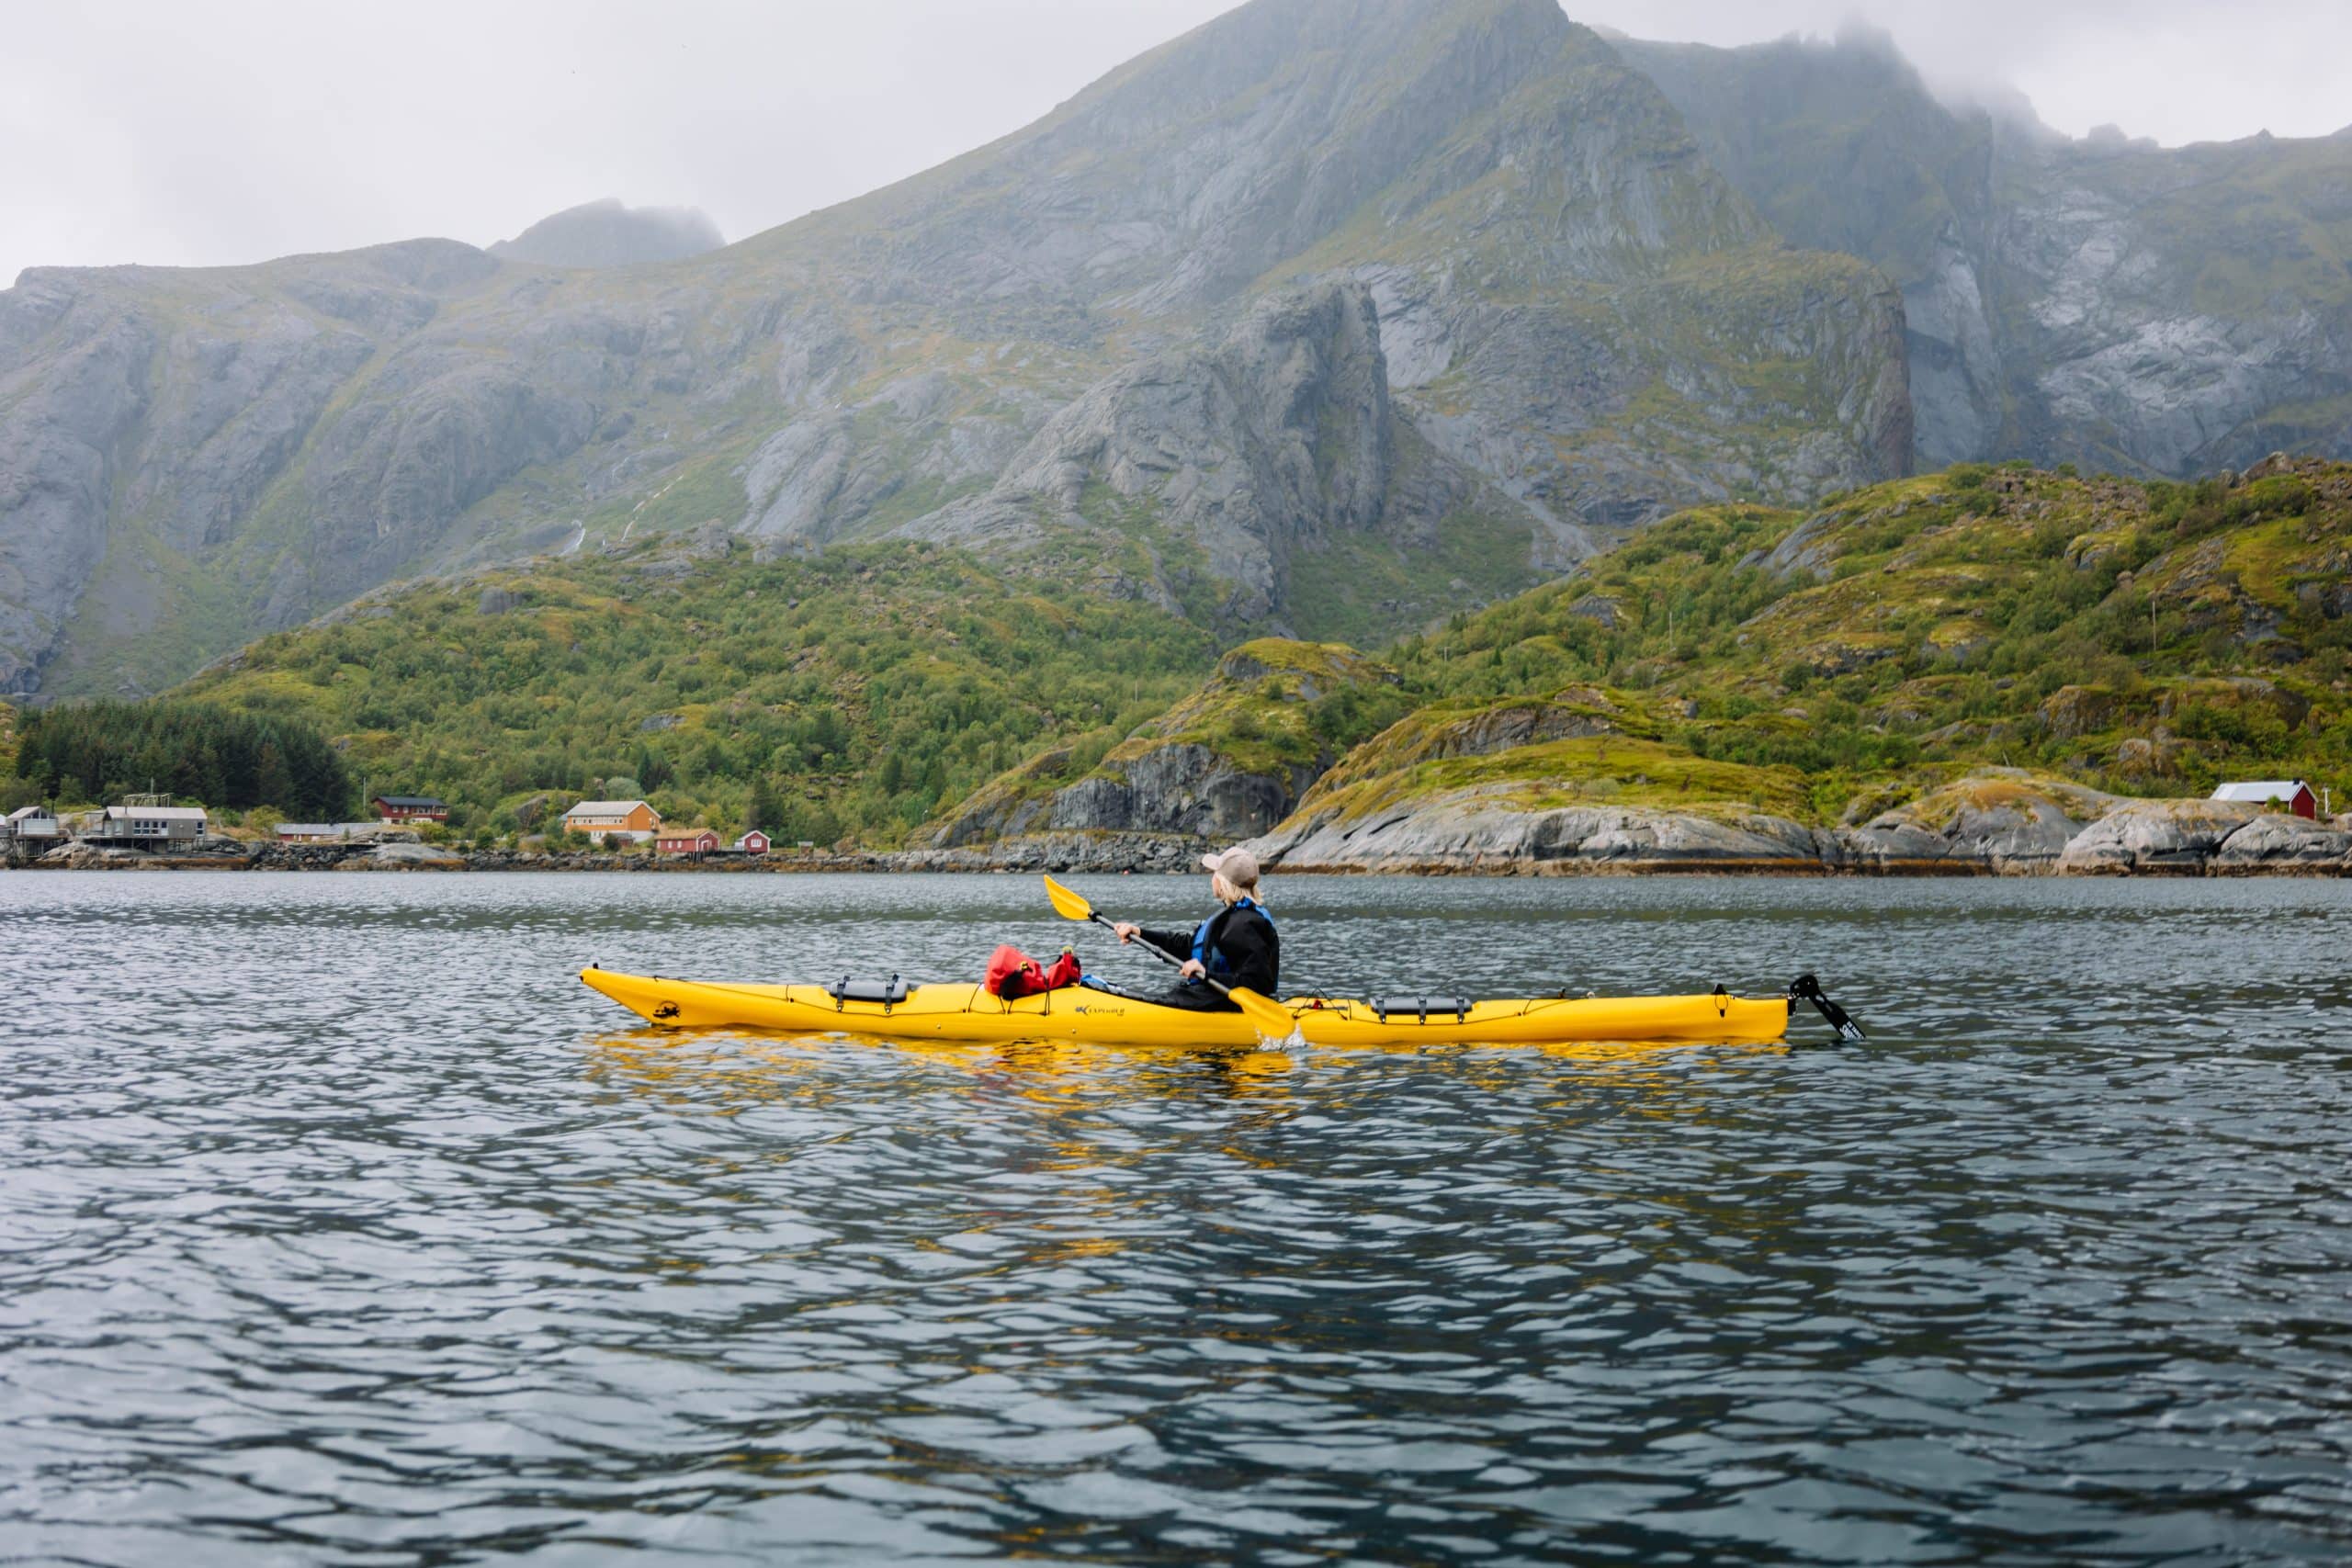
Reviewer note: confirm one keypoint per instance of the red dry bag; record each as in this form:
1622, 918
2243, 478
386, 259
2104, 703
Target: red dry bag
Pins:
1013, 973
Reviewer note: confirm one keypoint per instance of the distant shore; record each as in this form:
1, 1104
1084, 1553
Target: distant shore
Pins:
2301, 850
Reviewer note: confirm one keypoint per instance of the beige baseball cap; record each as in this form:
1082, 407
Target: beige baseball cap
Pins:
1236, 866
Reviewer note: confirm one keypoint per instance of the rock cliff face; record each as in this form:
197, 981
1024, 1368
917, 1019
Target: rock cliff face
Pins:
1265, 450
2108, 302
605, 234
1580, 322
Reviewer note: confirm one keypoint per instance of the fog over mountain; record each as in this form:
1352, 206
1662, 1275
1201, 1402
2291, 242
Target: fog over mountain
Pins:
605, 234
1325, 317
172, 135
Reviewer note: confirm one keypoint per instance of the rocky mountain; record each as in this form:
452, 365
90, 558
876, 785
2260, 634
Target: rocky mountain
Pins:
2106, 301
1326, 319
605, 234
1076, 331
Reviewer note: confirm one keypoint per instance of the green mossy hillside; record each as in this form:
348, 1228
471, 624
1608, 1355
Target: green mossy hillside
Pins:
1275, 704
2140, 638
846, 696
1824, 664
1274, 708
1593, 770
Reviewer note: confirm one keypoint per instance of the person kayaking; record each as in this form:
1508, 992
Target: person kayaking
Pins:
1237, 945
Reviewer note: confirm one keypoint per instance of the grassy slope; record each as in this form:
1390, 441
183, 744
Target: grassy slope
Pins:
1274, 706
2146, 640
698, 673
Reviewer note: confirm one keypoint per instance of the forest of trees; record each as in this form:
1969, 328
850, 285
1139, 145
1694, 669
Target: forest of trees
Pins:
92, 752
852, 695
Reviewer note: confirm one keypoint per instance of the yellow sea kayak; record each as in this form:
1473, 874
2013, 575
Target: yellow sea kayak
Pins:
968, 1012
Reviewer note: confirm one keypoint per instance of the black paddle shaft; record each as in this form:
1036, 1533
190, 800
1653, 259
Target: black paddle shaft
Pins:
1155, 951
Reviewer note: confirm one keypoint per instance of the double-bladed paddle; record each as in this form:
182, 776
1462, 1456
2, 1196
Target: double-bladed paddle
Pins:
1269, 1015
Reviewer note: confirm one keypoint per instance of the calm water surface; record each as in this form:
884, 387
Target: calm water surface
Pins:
339, 1223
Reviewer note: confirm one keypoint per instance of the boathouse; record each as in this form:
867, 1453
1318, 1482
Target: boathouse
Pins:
688, 841
2293, 794
153, 825
32, 825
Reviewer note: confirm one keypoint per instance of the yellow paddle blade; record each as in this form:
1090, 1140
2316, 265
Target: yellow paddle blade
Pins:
1269, 1017
1068, 905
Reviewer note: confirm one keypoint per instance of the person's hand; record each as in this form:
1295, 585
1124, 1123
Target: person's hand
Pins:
1128, 931
1191, 969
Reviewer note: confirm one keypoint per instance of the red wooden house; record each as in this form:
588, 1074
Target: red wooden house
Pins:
686, 841
411, 809
2293, 794
752, 843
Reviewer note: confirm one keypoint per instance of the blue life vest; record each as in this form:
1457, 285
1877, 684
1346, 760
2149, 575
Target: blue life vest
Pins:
1215, 962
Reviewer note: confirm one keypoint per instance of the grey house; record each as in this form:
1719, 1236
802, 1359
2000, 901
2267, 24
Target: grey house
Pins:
32, 824
153, 825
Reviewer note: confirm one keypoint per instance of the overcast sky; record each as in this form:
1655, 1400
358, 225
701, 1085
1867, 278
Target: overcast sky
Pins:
200, 131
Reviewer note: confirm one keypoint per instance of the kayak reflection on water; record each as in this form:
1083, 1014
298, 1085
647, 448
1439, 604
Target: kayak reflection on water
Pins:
1237, 945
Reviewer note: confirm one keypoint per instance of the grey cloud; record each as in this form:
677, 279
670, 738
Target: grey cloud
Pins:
197, 135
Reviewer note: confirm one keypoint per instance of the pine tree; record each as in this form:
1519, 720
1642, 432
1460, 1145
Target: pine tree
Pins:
272, 784
765, 811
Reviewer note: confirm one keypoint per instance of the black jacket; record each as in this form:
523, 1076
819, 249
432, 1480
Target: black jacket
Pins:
1245, 939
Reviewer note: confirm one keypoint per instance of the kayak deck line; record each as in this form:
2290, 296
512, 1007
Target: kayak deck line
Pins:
964, 1011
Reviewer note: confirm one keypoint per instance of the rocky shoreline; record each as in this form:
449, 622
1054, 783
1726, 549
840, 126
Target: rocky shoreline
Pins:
1995, 824
232, 854
1982, 827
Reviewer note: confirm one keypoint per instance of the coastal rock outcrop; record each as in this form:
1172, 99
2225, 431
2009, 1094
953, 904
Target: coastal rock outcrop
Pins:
2155, 837
2002, 821
414, 857
1483, 830
1061, 851
2276, 842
